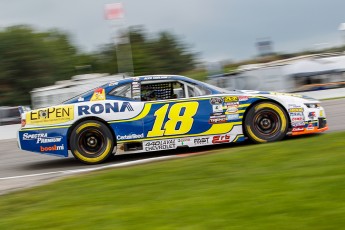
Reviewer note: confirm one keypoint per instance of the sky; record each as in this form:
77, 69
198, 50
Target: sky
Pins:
218, 30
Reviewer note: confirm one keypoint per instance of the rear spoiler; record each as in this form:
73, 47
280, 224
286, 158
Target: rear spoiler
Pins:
23, 109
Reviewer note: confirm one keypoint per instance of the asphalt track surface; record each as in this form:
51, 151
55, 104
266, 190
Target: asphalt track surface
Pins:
20, 169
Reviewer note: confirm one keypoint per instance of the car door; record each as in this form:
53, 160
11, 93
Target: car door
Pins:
177, 118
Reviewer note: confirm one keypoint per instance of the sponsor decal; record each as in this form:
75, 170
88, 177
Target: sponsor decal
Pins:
41, 138
23, 122
310, 126
221, 139
98, 95
201, 141
296, 115
217, 119
50, 116
183, 140
298, 124
231, 99
298, 129
231, 109
34, 136
321, 113
160, 145
312, 115
80, 99
113, 83
231, 104
217, 108
232, 117
154, 78
243, 98
136, 78
296, 110
129, 137
217, 114
44, 140
52, 148
115, 107
297, 119
216, 101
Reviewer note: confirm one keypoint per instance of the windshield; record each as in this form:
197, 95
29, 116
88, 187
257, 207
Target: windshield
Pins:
221, 90
84, 94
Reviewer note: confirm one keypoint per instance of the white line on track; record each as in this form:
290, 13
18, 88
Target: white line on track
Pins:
74, 171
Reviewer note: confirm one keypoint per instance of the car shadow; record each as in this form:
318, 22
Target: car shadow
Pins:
71, 163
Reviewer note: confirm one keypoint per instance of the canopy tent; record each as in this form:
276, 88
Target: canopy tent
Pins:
312, 67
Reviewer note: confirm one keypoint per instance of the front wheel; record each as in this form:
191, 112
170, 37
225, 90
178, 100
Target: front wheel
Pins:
91, 142
266, 122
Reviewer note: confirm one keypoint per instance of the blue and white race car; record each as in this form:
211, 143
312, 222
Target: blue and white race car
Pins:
153, 113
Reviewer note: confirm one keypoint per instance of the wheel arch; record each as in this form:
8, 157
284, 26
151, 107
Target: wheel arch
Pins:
259, 101
70, 129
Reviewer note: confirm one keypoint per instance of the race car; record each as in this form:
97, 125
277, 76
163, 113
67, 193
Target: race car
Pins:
160, 112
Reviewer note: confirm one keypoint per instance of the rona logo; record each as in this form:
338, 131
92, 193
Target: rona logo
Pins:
114, 107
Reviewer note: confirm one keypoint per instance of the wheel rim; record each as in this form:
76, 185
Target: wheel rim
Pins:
92, 142
267, 122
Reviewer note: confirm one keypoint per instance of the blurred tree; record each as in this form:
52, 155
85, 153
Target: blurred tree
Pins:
29, 60
165, 54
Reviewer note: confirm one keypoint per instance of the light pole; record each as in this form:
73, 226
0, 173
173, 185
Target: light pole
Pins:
114, 13
341, 28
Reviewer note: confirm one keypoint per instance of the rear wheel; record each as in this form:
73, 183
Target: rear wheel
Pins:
266, 122
91, 142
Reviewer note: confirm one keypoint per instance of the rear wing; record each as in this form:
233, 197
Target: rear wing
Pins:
23, 109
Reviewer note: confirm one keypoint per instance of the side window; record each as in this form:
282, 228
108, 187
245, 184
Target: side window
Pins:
122, 91
162, 91
197, 90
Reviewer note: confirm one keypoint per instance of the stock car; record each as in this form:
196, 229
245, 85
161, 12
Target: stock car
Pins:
160, 112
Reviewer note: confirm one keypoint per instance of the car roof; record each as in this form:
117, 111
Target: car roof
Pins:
155, 77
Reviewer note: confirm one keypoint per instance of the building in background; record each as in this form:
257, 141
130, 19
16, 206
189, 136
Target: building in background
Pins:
304, 73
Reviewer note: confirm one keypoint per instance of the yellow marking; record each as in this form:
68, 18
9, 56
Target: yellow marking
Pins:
250, 132
237, 137
87, 125
50, 127
141, 115
158, 123
186, 120
275, 108
180, 100
95, 159
243, 105
216, 129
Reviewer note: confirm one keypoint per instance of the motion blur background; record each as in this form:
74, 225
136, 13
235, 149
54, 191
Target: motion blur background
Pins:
53, 50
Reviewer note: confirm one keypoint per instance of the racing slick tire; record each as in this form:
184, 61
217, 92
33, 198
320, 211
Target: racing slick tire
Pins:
91, 142
266, 122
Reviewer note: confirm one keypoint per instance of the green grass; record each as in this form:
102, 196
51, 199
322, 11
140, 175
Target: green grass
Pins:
294, 184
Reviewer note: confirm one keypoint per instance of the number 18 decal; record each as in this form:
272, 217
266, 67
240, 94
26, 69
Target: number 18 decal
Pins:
177, 123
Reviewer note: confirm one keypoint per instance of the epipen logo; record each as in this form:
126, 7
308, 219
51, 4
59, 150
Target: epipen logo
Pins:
98, 95
50, 116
